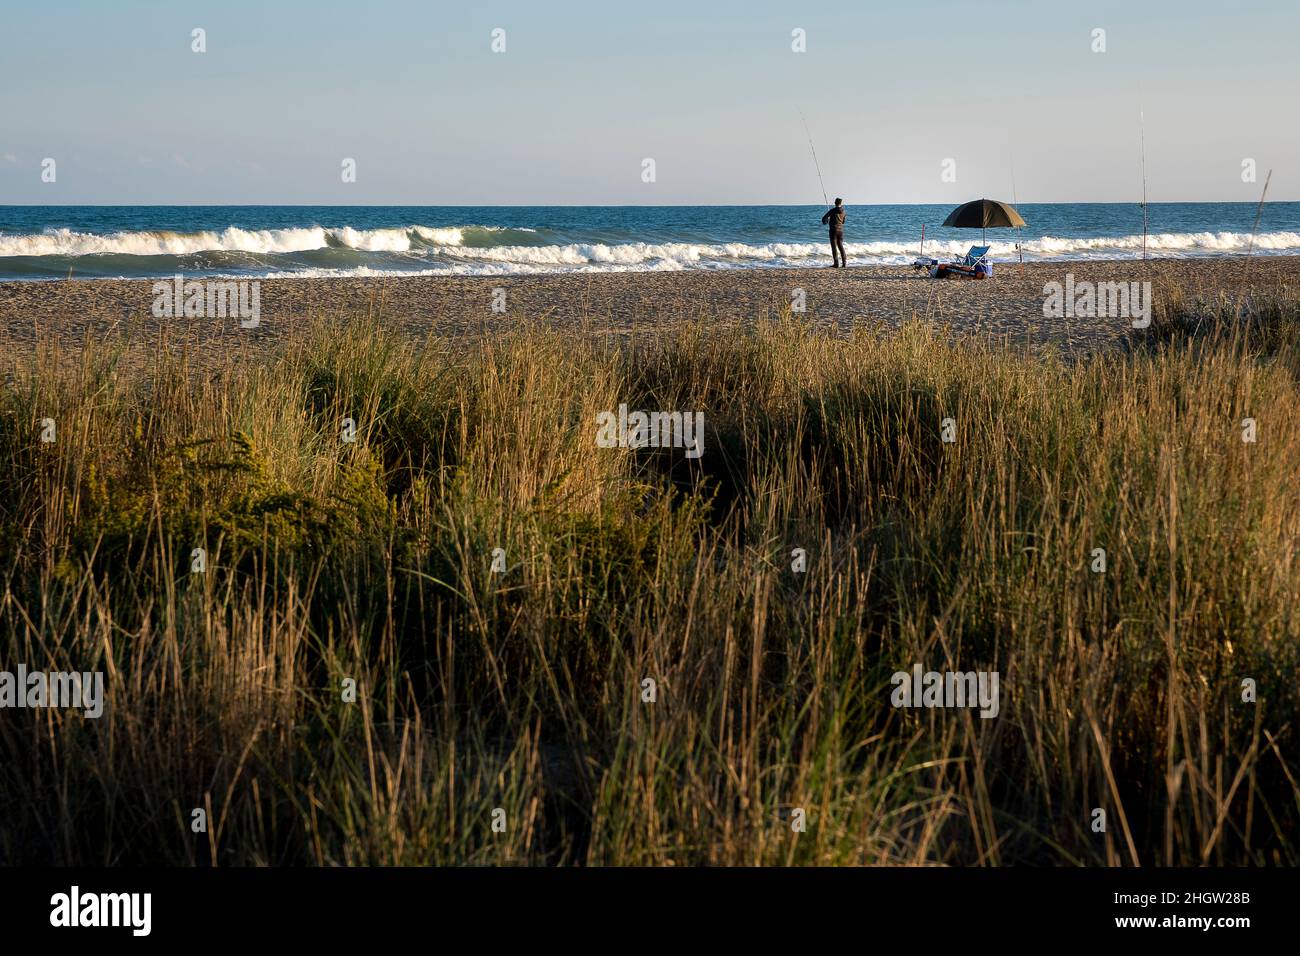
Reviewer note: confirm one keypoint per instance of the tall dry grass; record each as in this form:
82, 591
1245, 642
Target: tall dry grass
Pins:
371, 561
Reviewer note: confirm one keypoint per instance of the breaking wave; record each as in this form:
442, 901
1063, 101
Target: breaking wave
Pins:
498, 250
65, 242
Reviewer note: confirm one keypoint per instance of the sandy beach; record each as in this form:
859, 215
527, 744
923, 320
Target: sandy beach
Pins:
629, 304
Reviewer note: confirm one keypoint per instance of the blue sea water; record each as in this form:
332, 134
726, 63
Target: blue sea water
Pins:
44, 242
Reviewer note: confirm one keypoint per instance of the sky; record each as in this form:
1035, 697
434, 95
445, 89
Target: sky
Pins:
1011, 91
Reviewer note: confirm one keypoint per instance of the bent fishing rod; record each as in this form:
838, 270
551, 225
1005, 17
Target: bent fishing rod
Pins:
825, 200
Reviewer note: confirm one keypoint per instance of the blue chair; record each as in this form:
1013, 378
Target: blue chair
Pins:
974, 265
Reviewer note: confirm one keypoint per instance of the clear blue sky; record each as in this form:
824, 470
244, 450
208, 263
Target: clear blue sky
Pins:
709, 89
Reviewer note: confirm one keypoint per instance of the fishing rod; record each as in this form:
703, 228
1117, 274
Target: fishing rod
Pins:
1142, 133
1015, 201
818, 165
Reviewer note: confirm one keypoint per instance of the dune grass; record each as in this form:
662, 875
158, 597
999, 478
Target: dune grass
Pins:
522, 690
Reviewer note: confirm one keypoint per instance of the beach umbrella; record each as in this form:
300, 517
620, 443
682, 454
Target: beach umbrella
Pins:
983, 213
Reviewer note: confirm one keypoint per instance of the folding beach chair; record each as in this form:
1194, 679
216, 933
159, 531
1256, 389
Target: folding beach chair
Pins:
974, 265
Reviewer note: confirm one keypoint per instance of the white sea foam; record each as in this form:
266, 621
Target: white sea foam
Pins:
446, 236
445, 249
65, 242
679, 255
372, 240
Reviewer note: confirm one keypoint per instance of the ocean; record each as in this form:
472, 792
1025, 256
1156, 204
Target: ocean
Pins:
53, 242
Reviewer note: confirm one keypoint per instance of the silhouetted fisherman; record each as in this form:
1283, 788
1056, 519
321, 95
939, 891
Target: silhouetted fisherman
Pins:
835, 219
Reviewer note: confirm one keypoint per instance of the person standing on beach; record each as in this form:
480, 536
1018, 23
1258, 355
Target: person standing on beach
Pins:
835, 219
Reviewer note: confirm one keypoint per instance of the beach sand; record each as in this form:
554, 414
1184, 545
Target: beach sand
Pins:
628, 305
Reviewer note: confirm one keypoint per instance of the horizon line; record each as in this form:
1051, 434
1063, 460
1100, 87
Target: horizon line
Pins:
685, 205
